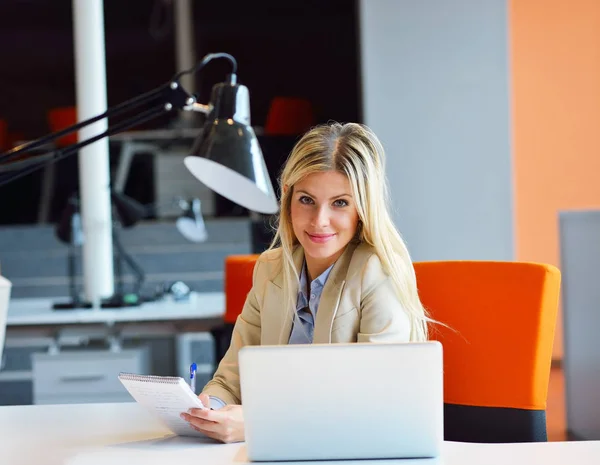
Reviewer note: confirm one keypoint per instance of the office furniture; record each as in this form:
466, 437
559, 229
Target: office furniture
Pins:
35, 262
36, 314
199, 348
580, 263
85, 376
34, 329
3, 134
289, 116
237, 282
118, 434
168, 148
498, 347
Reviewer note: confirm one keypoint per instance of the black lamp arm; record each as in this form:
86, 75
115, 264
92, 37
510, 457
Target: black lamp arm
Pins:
41, 160
165, 98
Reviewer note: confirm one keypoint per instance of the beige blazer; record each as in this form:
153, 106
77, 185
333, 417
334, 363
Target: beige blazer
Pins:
358, 304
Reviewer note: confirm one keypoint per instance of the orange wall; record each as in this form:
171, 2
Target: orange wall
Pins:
555, 61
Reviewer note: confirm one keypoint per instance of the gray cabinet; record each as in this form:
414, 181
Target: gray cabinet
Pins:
85, 376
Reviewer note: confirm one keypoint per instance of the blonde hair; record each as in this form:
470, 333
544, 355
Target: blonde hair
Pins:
355, 151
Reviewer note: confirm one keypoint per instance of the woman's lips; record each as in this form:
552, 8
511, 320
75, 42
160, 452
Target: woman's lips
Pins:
320, 238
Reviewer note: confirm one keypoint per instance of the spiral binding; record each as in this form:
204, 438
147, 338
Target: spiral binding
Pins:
149, 378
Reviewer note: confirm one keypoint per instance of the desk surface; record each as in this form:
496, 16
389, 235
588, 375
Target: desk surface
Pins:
93, 434
38, 311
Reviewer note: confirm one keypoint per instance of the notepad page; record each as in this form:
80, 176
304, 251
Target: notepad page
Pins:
166, 400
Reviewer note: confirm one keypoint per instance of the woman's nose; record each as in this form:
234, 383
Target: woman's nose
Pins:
321, 217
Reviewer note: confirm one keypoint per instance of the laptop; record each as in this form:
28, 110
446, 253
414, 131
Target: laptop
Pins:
342, 401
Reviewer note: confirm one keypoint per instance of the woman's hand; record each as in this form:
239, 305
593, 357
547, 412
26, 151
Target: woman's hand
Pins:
225, 424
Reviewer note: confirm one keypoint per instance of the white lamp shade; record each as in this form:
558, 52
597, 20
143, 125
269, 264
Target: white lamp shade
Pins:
227, 157
234, 186
192, 231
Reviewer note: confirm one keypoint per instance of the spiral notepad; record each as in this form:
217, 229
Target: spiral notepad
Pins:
166, 397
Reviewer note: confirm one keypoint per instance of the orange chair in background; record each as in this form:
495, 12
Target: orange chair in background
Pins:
4, 145
289, 116
238, 282
498, 350
61, 118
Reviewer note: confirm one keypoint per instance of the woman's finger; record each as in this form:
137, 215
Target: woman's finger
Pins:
195, 420
205, 414
209, 434
205, 425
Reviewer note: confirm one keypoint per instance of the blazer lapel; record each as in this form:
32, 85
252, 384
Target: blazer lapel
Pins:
330, 298
283, 317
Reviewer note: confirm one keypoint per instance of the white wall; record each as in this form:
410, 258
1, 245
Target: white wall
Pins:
436, 91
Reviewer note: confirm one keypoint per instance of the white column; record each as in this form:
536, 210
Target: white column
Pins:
185, 51
94, 174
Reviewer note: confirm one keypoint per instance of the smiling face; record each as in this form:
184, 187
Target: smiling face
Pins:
324, 218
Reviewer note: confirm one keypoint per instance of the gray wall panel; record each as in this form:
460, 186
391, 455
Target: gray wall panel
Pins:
580, 263
435, 85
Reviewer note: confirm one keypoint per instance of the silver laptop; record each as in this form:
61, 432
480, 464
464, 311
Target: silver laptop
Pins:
342, 401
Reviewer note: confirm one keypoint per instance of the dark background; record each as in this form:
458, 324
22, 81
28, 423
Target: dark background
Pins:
304, 48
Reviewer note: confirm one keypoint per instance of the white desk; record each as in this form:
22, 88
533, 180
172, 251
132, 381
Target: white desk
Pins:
33, 326
35, 317
39, 312
93, 434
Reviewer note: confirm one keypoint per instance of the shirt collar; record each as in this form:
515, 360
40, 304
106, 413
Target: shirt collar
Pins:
321, 280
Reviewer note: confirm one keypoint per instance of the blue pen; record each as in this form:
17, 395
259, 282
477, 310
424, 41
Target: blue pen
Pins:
193, 368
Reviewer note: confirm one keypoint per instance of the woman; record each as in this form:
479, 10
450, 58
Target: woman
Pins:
337, 261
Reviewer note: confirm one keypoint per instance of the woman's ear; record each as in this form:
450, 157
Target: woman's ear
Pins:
285, 188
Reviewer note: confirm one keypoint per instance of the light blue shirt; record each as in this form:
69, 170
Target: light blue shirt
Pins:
306, 307
303, 326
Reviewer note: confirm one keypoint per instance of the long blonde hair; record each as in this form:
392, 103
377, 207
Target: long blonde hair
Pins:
355, 151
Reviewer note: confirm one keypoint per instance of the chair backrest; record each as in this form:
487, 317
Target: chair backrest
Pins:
3, 135
60, 118
5, 288
289, 116
498, 347
238, 282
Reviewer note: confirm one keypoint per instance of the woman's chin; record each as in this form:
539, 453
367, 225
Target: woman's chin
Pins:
320, 251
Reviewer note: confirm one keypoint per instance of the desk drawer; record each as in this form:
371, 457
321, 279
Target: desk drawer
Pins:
84, 373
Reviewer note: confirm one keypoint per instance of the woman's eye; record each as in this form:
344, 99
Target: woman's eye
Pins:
305, 200
340, 203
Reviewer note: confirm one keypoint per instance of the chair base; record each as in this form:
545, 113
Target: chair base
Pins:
465, 423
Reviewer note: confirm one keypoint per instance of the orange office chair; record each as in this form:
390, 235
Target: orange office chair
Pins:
60, 118
238, 282
498, 350
3, 135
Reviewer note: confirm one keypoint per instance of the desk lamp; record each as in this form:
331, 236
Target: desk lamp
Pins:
69, 230
226, 155
128, 213
191, 224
